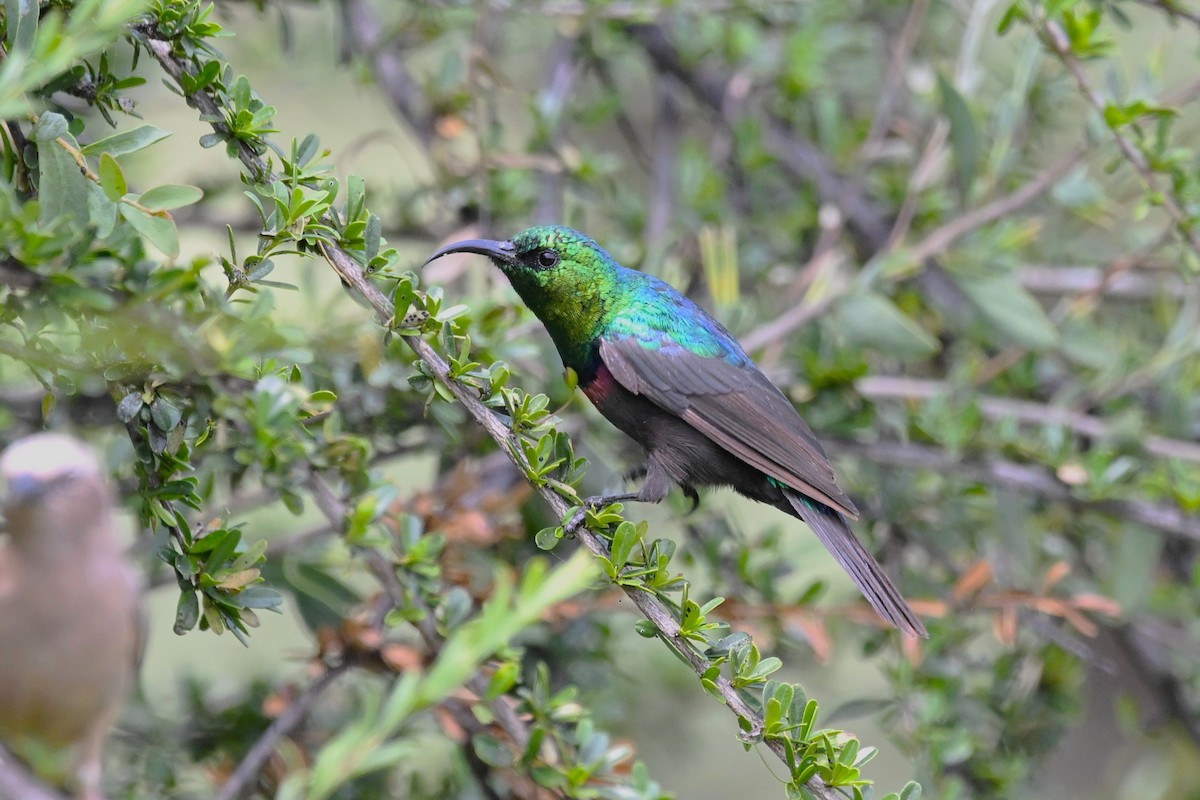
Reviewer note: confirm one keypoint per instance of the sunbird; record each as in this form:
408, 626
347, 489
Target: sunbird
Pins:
671, 377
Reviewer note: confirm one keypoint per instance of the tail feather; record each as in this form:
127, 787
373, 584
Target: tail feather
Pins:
833, 531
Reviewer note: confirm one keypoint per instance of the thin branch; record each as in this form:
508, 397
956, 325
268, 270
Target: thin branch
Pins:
893, 82
335, 511
18, 783
1155, 675
364, 35
1095, 281
945, 235
552, 101
44, 359
1054, 36
240, 781
1032, 479
663, 166
1174, 10
803, 159
882, 387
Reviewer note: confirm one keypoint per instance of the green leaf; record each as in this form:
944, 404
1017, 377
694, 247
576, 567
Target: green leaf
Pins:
623, 543
49, 127
125, 142
187, 611
162, 198
22, 17
868, 319
964, 137
112, 180
102, 212
1009, 308
62, 188
547, 538
256, 597
159, 231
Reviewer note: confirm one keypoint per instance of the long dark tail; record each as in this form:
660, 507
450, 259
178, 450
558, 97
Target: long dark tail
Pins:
833, 531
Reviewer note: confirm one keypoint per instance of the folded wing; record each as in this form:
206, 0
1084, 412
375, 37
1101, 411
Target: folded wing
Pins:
734, 404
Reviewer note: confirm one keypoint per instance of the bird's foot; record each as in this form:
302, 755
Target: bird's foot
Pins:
594, 502
691, 494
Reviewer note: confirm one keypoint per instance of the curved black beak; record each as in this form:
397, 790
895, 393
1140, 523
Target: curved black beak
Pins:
502, 252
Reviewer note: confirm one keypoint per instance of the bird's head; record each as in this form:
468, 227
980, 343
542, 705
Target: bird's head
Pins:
52, 482
564, 277
553, 261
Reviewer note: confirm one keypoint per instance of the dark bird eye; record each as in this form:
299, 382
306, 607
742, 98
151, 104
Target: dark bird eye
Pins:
547, 259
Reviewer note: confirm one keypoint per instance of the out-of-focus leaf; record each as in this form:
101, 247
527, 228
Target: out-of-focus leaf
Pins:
868, 319
62, 188
964, 136
159, 231
1010, 309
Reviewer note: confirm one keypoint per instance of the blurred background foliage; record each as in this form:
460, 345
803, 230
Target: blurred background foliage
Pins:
961, 235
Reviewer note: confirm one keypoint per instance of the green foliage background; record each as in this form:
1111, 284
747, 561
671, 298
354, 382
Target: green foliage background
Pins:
962, 237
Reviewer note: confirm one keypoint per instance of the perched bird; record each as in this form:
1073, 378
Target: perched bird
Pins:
670, 376
69, 629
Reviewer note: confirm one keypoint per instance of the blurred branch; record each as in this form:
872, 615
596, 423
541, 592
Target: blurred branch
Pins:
880, 387
662, 167
893, 82
41, 358
551, 101
262, 750
946, 234
1172, 9
1035, 480
364, 35
1151, 670
1056, 38
1071, 279
18, 783
800, 157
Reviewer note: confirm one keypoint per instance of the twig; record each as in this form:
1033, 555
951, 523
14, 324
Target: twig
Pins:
945, 235
1032, 479
798, 156
1159, 678
1056, 38
363, 31
1094, 281
41, 358
878, 387
662, 170
239, 782
1173, 10
560, 81
893, 83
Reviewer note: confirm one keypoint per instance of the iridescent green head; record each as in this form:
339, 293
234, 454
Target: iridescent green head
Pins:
566, 279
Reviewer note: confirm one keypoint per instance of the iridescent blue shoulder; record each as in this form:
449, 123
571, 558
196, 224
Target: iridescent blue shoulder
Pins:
661, 318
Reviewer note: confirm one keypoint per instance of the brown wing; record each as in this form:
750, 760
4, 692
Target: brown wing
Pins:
736, 406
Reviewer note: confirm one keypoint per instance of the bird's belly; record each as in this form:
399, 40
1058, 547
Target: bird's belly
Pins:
687, 456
